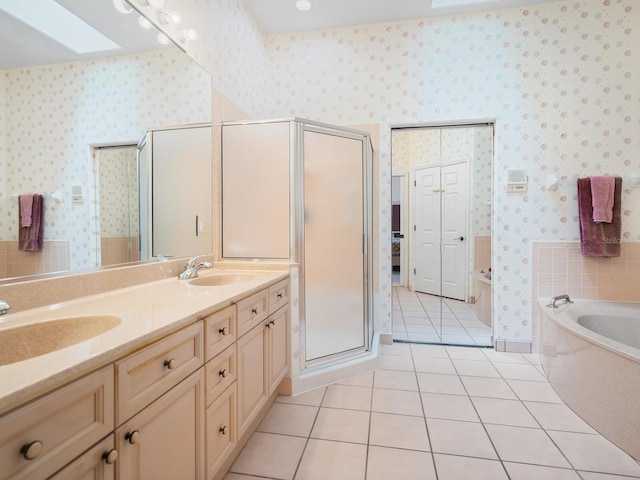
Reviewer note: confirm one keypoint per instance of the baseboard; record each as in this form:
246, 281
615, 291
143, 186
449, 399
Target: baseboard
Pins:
512, 346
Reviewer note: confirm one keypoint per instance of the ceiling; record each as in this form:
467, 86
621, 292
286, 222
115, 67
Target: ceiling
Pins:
281, 16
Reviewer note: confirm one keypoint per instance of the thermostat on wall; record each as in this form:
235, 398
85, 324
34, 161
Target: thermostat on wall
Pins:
517, 181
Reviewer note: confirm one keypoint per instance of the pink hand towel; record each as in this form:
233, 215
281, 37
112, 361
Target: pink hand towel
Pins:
30, 239
599, 239
26, 206
602, 190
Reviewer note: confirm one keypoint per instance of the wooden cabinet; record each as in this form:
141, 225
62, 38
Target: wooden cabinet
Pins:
252, 310
165, 441
220, 331
43, 436
221, 428
278, 348
98, 463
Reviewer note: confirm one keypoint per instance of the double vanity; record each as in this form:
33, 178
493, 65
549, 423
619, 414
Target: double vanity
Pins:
165, 380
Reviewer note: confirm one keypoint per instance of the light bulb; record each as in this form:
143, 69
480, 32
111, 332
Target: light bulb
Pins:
163, 39
144, 23
157, 4
172, 17
122, 7
304, 5
188, 35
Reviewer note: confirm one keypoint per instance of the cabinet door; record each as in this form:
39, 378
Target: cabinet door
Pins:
253, 387
278, 327
96, 464
165, 441
222, 434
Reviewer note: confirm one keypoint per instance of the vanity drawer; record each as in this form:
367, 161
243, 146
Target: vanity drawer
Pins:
220, 329
56, 428
220, 373
144, 376
278, 295
252, 310
221, 427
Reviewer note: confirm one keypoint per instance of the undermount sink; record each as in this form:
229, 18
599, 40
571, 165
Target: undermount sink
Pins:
22, 343
224, 279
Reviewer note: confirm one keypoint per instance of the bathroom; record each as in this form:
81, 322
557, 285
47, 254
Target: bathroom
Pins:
558, 78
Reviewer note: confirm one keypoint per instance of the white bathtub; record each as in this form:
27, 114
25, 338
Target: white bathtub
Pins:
591, 355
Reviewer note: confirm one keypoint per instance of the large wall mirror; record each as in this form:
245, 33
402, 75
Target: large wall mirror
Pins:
60, 112
441, 234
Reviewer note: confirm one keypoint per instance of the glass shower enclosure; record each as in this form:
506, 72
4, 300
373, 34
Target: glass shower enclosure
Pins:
299, 192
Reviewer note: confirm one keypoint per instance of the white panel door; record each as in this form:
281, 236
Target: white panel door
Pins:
426, 262
334, 283
454, 230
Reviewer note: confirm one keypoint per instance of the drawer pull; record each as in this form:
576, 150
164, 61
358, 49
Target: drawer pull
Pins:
280, 295
254, 310
132, 437
223, 331
224, 429
270, 324
110, 457
170, 364
223, 373
32, 449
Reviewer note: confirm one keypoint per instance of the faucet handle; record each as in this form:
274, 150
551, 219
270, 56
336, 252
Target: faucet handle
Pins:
192, 261
4, 307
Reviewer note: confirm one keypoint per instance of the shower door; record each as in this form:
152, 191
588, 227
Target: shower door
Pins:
334, 250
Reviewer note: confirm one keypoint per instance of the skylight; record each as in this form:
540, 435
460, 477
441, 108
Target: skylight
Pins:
53, 20
456, 3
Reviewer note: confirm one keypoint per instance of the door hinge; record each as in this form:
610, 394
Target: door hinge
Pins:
415, 183
414, 228
414, 271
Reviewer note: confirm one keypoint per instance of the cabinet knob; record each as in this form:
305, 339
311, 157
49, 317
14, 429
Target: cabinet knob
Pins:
223, 331
170, 364
279, 295
270, 324
110, 456
132, 437
254, 310
223, 373
32, 449
224, 429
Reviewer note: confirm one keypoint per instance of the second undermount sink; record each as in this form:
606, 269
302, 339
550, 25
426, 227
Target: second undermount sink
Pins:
223, 279
28, 341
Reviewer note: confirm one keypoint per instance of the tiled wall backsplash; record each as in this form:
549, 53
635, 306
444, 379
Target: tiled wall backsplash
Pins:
54, 257
559, 268
482, 251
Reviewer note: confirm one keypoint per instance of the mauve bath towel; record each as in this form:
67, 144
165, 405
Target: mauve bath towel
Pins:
30, 238
599, 239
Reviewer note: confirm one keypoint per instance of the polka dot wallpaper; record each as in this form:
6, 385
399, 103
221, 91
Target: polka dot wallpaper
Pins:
53, 113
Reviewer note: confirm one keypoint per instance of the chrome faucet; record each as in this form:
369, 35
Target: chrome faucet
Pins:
4, 307
191, 268
553, 303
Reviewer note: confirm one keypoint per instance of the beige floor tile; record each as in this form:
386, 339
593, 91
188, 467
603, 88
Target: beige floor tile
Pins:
398, 431
434, 365
488, 387
448, 407
460, 438
346, 396
396, 380
239, 476
603, 476
287, 419
423, 337
504, 357
392, 463
473, 368
400, 402
516, 371
341, 425
312, 398
323, 460
437, 351
465, 353
268, 455
594, 453
438, 383
521, 471
452, 467
553, 416
504, 412
525, 445
527, 390
395, 362
419, 328
403, 349
362, 380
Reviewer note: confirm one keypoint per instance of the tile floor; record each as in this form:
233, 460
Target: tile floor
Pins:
432, 412
419, 317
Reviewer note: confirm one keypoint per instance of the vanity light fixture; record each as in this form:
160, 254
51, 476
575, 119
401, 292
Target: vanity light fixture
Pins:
188, 35
304, 5
144, 22
163, 39
122, 7
157, 4
172, 17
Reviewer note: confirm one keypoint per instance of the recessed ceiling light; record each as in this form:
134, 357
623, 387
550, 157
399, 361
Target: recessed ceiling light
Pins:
304, 5
53, 20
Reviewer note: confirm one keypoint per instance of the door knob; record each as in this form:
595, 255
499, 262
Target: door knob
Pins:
461, 238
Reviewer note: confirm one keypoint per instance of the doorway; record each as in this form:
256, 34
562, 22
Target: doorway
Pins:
399, 229
449, 239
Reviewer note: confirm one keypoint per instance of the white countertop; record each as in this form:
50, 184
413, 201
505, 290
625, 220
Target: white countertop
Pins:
147, 311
